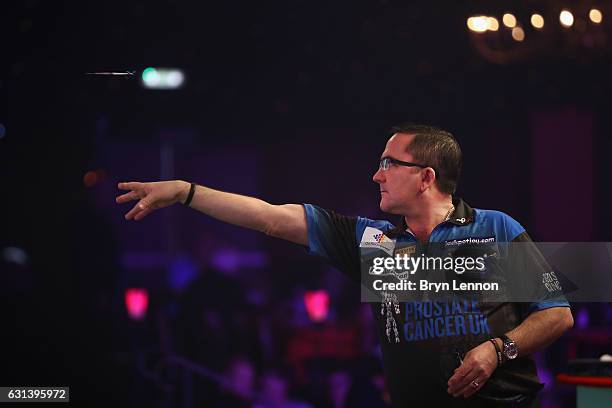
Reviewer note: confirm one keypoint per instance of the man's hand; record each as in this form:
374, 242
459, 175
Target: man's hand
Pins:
478, 365
151, 196
287, 221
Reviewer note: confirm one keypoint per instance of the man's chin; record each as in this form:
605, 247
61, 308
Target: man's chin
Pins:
385, 207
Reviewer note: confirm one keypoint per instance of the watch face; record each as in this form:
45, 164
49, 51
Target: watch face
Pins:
510, 350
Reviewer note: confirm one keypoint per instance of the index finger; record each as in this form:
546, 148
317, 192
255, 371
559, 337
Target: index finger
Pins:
459, 373
457, 387
131, 185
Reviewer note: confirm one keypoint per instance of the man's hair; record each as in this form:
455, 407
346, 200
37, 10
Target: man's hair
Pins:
436, 148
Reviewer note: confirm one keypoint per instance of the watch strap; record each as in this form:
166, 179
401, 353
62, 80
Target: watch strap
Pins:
507, 343
505, 339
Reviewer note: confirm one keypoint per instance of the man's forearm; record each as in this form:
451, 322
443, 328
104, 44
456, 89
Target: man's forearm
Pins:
540, 329
243, 211
282, 221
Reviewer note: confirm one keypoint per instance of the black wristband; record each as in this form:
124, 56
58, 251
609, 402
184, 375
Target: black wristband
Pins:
190, 195
497, 351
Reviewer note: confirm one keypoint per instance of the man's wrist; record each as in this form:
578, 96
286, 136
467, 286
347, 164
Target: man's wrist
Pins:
500, 344
183, 191
497, 345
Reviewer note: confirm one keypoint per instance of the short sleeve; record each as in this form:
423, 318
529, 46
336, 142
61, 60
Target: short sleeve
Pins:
538, 278
332, 236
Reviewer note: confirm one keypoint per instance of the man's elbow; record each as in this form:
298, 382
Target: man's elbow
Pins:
270, 229
288, 222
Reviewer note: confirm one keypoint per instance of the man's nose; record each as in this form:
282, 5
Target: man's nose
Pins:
378, 177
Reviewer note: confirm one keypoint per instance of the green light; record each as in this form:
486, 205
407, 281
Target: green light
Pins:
148, 73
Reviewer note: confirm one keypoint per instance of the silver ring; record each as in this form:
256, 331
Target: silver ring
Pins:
475, 384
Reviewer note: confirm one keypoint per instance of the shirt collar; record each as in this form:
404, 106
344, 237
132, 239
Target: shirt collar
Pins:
461, 216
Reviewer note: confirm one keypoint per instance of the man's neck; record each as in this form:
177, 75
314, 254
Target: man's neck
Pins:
423, 220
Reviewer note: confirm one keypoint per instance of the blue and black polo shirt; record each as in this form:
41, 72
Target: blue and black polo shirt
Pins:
419, 359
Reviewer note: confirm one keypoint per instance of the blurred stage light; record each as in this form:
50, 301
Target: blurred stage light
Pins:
93, 177
150, 77
595, 16
137, 302
175, 78
317, 305
15, 255
518, 34
509, 20
478, 24
162, 78
537, 21
492, 24
582, 318
566, 18
183, 271
90, 178
2, 130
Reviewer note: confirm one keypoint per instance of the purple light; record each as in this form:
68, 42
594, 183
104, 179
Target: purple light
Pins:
230, 260
182, 272
582, 318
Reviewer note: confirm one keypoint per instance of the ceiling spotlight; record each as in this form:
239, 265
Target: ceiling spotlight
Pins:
492, 24
595, 16
509, 20
479, 24
537, 21
518, 34
566, 18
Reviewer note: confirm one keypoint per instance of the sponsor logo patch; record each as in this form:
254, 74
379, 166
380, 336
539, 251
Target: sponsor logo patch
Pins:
468, 240
408, 250
375, 238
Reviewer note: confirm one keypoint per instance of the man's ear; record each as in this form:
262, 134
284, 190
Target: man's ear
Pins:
428, 178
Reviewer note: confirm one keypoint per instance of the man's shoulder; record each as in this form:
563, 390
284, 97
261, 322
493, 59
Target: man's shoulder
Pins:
320, 216
499, 221
493, 214
382, 225
315, 210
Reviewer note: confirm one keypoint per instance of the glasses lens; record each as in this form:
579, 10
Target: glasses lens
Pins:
384, 163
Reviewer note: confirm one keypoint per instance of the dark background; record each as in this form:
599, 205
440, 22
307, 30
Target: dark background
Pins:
289, 101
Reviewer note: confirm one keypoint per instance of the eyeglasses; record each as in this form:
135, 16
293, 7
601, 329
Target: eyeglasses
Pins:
386, 162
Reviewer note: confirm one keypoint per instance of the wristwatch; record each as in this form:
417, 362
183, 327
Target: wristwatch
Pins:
510, 349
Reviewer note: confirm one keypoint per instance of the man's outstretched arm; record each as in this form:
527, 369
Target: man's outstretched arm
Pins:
286, 221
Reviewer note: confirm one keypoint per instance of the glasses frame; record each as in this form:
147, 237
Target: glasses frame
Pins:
401, 163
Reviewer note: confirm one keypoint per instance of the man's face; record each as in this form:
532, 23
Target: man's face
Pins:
399, 185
